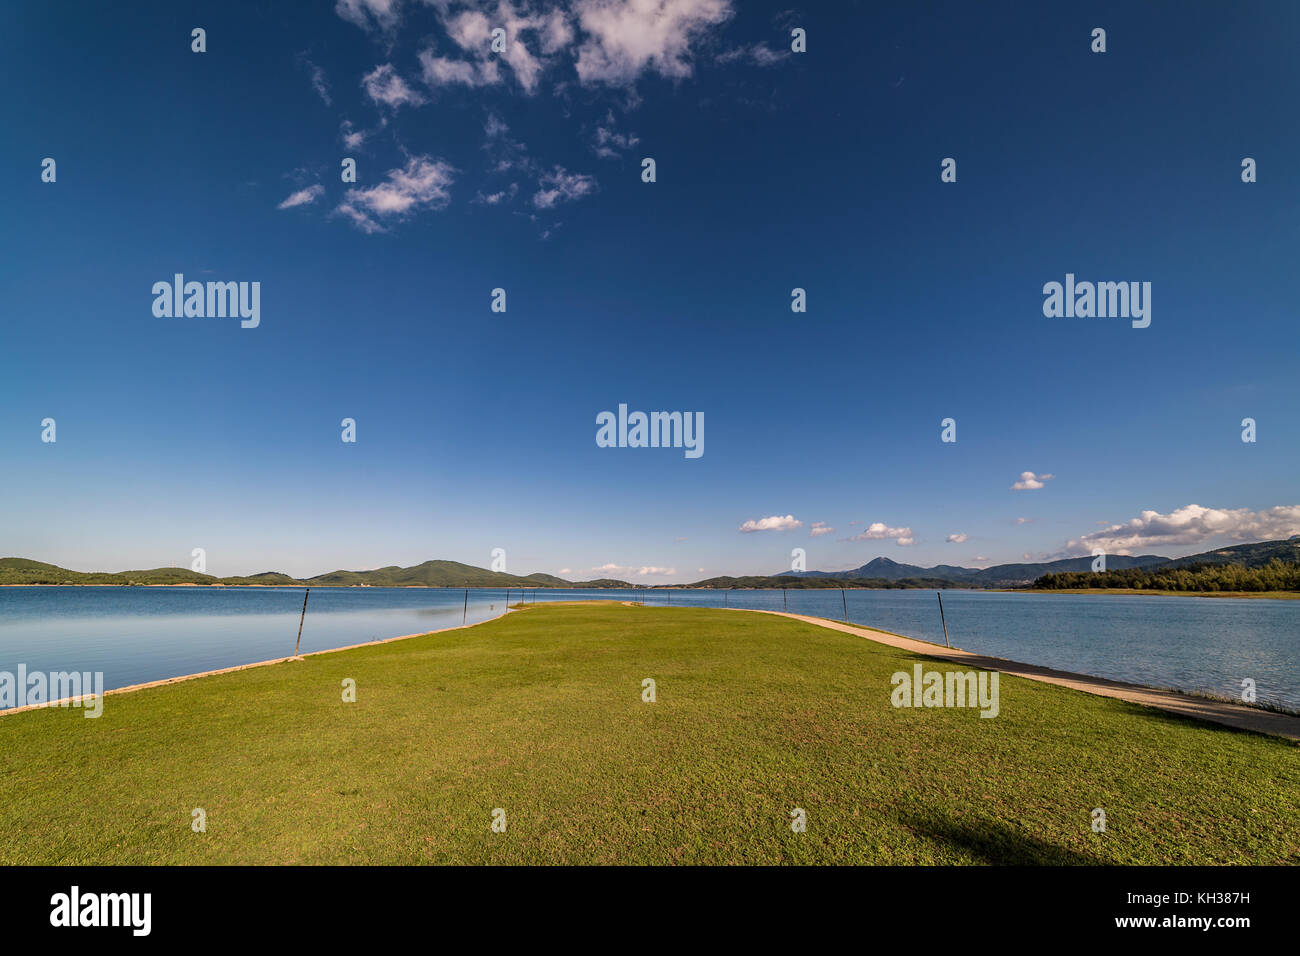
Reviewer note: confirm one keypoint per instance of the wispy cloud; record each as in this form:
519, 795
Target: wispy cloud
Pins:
443, 71
631, 571
560, 185
958, 538
370, 14
352, 137
303, 197
498, 197
318, 81
384, 85
608, 142
424, 183
757, 53
820, 528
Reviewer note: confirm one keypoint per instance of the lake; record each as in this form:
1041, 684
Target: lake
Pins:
135, 635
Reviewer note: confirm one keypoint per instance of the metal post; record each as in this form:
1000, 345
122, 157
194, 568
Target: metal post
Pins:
465, 616
941, 618
298, 643
785, 605
846, 605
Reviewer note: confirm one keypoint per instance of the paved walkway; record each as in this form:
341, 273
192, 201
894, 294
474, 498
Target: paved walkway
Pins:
1202, 708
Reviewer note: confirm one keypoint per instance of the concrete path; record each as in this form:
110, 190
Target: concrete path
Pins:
1201, 708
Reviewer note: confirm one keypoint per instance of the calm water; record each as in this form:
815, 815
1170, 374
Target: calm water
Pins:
142, 634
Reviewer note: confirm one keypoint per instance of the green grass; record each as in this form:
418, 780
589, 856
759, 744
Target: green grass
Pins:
540, 714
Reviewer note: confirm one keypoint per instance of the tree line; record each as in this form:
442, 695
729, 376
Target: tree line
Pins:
1274, 576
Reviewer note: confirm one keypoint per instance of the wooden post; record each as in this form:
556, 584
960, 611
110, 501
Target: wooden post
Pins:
465, 614
724, 596
298, 643
507, 599
939, 595
846, 605
785, 606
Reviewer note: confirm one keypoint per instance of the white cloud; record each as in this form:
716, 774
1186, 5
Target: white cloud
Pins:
443, 71
879, 531
1025, 520
384, 85
565, 571
556, 31
610, 42
379, 14
353, 138
772, 523
820, 528
303, 197
470, 28
423, 183
625, 39
958, 538
1030, 482
498, 197
1191, 525
560, 185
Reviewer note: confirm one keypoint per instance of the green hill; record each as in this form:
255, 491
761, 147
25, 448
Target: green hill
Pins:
803, 583
1255, 555
430, 574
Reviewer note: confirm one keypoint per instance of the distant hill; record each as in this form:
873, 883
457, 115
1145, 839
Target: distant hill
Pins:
998, 576
1247, 555
813, 583
879, 573
430, 574
23, 571
1255, 555
433, 574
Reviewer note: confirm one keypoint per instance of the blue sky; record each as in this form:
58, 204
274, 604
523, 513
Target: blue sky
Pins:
775, 170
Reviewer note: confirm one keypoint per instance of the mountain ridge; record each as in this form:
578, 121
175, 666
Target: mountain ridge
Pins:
1252, 555
879, 572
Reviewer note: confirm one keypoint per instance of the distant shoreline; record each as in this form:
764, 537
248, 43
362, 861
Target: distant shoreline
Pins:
1268, 595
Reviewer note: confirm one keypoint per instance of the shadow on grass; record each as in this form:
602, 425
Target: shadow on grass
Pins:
995, 843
